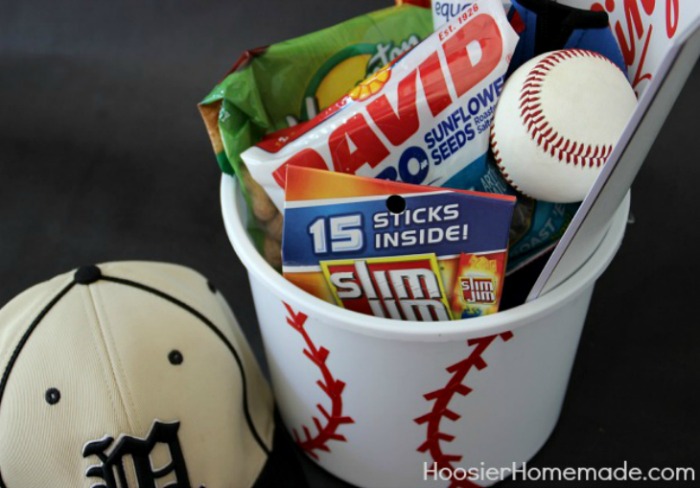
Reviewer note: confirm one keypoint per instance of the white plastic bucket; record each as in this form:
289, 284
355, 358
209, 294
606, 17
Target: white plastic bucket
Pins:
379, 402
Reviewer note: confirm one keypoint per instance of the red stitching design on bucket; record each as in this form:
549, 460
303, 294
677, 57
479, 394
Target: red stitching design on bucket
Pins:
539, 128
441, 410
332, 387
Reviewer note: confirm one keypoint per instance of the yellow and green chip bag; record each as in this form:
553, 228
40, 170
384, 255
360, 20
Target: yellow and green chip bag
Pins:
278, 86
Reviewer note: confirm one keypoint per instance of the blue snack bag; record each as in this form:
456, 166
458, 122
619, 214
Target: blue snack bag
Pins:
545, 25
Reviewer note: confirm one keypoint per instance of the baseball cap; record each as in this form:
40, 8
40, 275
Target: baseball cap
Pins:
129, 374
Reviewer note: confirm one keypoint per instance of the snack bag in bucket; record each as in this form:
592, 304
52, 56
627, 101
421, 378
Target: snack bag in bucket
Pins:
315, 69
424, 119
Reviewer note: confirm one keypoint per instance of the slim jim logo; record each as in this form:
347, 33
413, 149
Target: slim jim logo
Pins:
389, 117
403, 288
477, 290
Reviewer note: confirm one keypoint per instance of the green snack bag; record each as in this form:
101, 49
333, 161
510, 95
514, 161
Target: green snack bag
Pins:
278, 86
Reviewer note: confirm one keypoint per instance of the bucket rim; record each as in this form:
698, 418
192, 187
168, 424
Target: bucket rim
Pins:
232, 206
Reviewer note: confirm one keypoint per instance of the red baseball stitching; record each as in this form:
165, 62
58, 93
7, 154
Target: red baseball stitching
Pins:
332, 387
539, 128
441, 410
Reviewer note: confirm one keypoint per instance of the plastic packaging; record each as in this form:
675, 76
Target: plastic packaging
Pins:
424, 119
277, 86
395, 250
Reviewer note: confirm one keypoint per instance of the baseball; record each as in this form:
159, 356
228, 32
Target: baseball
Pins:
556, 123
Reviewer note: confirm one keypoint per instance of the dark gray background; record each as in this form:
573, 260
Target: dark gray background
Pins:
103, 157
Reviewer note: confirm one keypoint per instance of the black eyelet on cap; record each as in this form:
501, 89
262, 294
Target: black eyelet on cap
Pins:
211, 286
86, 275
175, 357
52, 396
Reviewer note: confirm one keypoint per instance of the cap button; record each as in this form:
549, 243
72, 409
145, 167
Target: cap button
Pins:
86, 275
